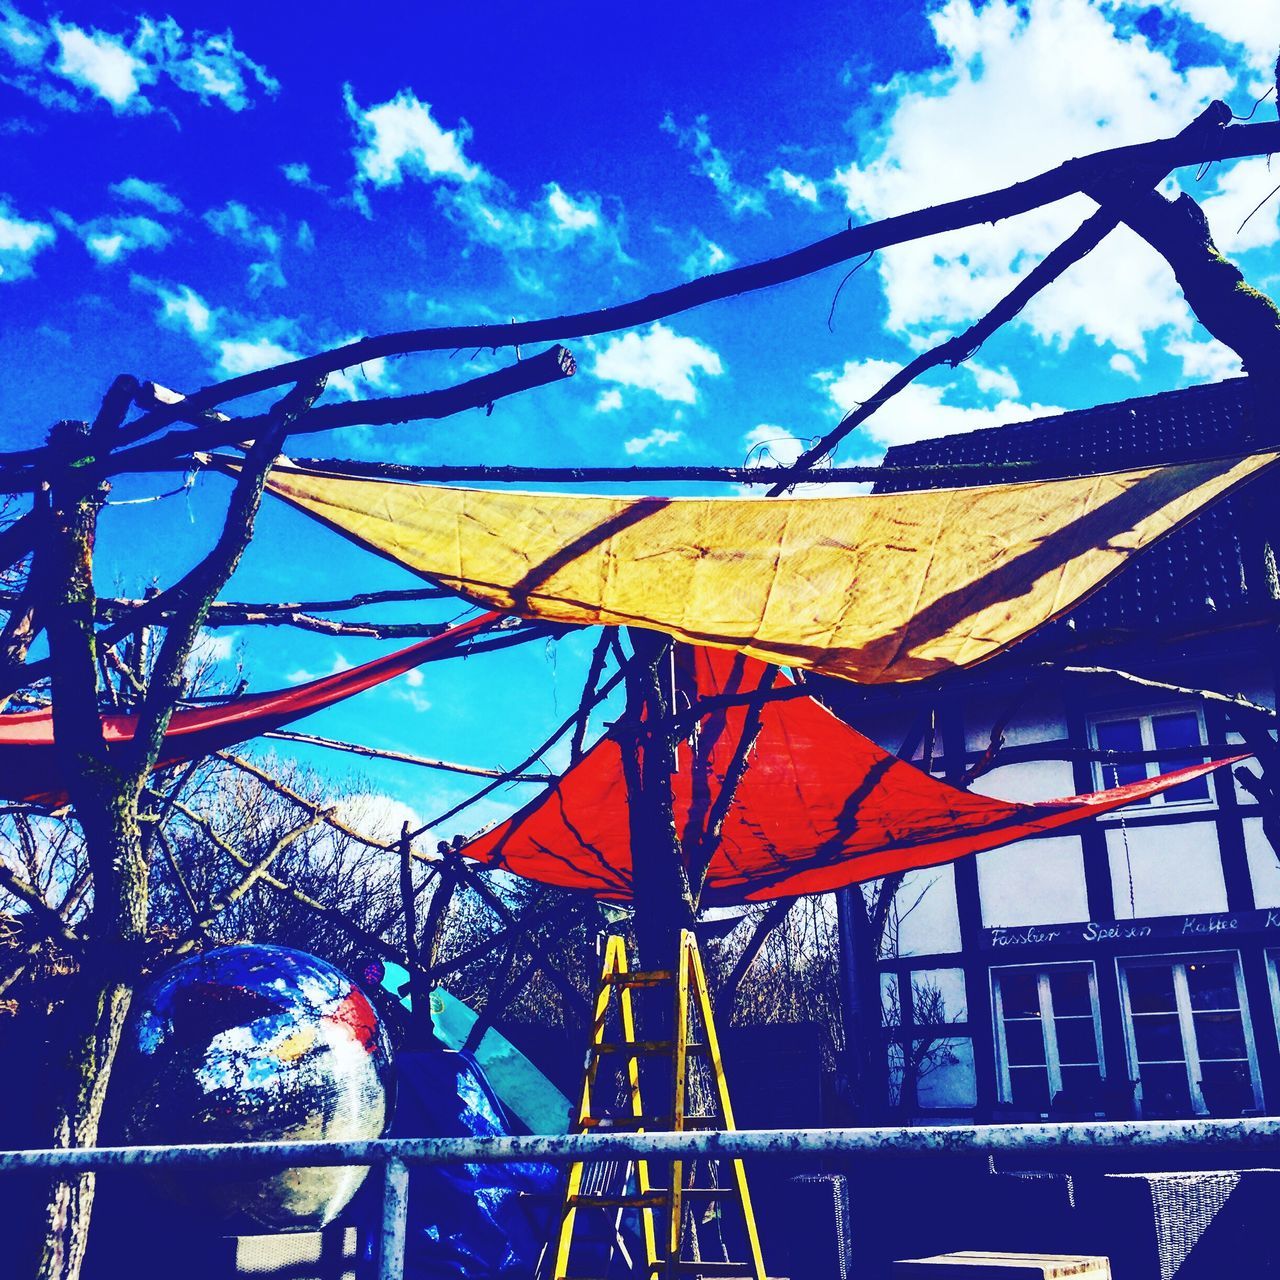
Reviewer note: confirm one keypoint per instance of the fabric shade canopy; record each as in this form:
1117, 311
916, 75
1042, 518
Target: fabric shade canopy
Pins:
819, 807
28, 759
877, 588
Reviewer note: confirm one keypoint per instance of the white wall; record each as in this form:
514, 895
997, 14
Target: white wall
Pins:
1033, 882
1264, 866
933, 923
1175, 870
1028, 783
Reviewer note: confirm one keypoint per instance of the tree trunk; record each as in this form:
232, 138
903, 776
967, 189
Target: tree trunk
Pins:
106, 807
660, 885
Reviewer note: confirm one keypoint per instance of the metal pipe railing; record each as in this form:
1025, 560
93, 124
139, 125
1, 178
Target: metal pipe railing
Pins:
396, 1155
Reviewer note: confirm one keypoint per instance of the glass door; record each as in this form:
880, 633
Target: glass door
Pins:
1189, 1037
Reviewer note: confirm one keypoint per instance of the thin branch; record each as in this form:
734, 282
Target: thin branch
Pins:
956, 350
170, 857
553, 365
954, 474
190, 598
403, 757
49, 919
1066, 179
371, 940
777, 912
1235, 700
536, 754
253, 873
281, 789
598, 655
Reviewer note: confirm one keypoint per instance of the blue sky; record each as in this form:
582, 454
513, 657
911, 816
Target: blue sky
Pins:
185, 202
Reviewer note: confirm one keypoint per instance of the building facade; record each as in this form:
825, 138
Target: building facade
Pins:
1131, 965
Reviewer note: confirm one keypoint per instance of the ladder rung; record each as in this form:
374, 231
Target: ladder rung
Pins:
712, 1192
626, 1122
658, 1124
687, 1266
633, 1048
641, 978
651, 1200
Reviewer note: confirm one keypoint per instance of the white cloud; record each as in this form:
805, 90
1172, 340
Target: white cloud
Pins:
402, 136
1236, 221
794, 184
142, 192
236, 344
658, 360
98, 62
180, 307
610, 401
123, 69
376, 815
1205, 360
658, 438
919, 412
299, 174
715, 166
1022, 87
987, 380
236, 222
1124, 366
20, 242
571, 215
768, 445
705, 257
112, 239
248, 355
301, 675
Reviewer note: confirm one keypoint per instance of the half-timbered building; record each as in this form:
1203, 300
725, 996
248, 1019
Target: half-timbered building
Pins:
1130, 967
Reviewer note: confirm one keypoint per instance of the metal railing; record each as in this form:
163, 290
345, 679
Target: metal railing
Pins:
395, 1156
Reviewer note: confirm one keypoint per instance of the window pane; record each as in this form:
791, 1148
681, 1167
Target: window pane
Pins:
1120, 735
1151, 988
1025, 1043
1030, 1087
1158, 1037
1166, 1093
1081, 1090
1019, 994
1180, 730
1070, 991
1076, 1040
1213, 985
1220, 1035
1226, 1087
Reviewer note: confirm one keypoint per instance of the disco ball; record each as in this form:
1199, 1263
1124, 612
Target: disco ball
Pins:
257, 1044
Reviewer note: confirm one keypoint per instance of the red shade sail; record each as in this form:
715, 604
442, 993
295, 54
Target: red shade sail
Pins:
28, 759
818, 808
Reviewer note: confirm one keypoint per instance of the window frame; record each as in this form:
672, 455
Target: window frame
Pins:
1186, 1022
1146, 730
1048, 1023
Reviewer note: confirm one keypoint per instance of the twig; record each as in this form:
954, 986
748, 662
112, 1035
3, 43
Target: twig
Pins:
1054, 184
403, 757
1236, 700
596, 665
955, 350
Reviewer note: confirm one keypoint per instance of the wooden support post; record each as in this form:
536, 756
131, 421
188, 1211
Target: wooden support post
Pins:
660, 886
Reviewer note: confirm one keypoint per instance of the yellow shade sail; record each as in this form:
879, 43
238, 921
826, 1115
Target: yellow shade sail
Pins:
876, 588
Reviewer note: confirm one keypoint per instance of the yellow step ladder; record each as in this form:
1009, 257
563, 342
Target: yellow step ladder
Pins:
663, 1210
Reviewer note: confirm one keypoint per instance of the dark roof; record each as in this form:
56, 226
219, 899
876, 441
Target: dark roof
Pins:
1213, 573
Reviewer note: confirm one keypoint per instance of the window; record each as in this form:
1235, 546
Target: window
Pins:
1154, 732
1189, 1039
1048, 1037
